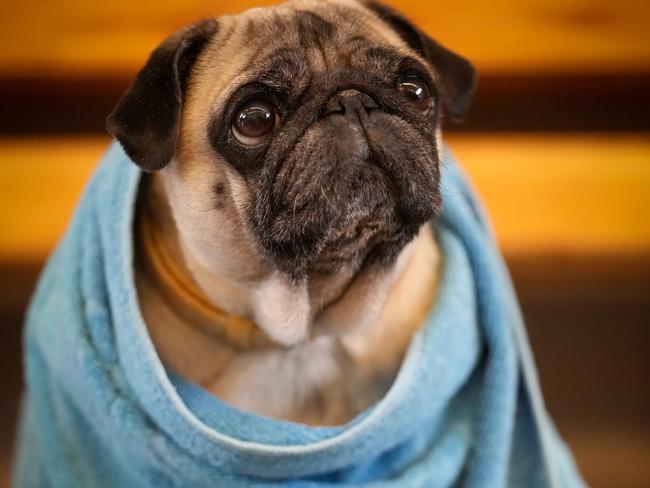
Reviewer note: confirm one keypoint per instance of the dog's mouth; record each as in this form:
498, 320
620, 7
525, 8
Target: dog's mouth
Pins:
354, 189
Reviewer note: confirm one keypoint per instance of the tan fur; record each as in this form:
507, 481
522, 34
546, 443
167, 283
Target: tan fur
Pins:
326, 380
346, 333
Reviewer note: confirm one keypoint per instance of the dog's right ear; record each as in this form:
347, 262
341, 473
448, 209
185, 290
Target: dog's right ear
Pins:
146, 119
457, 76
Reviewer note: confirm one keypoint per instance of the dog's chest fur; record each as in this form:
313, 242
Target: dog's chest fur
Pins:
325, 381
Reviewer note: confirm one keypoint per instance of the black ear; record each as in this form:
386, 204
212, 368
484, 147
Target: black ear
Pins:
146, 118
457, 75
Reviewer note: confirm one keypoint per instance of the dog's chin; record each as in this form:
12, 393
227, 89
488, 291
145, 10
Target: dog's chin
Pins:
350, 194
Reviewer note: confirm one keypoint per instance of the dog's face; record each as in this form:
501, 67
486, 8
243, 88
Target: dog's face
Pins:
307, 132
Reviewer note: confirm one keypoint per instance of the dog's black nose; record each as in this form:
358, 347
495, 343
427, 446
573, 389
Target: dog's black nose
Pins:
349, 102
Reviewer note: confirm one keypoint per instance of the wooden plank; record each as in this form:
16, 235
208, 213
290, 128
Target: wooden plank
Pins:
573, 193
545, 193
74, 38
41, 180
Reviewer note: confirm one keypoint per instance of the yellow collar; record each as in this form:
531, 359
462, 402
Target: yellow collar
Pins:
184, 295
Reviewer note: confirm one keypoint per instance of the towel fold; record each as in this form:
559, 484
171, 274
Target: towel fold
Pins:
100, 409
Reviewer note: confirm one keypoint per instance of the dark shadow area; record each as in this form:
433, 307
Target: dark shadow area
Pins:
578, 102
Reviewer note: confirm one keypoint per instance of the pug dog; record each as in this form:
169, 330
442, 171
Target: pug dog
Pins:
291, 168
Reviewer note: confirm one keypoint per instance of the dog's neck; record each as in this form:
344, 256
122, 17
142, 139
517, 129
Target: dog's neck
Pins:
354, 366
173, 282
241, 282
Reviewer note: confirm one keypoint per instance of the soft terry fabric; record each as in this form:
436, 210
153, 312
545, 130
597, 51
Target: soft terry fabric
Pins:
101, 410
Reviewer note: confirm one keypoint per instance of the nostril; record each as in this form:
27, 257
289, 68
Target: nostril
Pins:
349, 101
333, 107
368, 102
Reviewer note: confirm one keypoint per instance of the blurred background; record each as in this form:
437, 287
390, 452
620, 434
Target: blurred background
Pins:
557, 142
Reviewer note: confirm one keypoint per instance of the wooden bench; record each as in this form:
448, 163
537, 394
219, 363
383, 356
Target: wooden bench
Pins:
545, 193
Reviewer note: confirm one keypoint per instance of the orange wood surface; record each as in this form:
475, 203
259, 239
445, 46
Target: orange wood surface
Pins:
569, 193
74, 38
566, 193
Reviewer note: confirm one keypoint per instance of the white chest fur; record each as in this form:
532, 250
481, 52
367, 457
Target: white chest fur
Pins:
324, 381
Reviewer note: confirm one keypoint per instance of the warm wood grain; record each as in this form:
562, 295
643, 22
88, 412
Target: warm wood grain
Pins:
545, 193
40, 182
67, 38
575, 193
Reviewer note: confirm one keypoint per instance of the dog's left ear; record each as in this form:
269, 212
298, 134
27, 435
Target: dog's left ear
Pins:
457, 76
146, 119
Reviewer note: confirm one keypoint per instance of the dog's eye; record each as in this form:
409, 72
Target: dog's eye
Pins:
417, 91
254, 122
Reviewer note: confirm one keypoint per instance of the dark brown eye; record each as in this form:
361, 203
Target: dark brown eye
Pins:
417, 91
254, 122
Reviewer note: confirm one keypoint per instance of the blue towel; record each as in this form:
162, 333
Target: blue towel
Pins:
100, 409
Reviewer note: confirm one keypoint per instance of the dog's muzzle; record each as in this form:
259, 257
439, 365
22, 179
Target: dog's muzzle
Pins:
356, 177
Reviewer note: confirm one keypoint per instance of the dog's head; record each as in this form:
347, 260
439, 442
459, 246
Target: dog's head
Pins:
317, 120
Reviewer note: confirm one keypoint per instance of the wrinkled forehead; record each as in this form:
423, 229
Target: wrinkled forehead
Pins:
292, 42
323, 30
311, 25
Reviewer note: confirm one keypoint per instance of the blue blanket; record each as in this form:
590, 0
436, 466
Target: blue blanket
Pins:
101, 410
